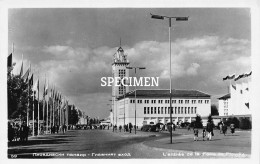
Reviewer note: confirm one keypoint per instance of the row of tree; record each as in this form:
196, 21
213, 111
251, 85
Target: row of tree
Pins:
23, 104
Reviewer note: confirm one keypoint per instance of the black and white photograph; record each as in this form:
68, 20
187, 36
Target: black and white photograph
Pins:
152, 81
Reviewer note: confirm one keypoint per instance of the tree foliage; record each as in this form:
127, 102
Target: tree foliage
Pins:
214, 110
17, 93
245, 123
197, 123
73, 117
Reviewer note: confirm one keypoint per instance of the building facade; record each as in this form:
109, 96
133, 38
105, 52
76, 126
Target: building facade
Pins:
154, 106
237, 101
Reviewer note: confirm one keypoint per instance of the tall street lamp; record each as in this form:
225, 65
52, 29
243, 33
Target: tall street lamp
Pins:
135, 89
170, 22
113, 112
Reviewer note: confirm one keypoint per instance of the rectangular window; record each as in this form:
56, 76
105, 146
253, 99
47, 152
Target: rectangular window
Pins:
191, 110
181, 110
174, 101
188, 110
148, 110
175, 110
195, 110
178, 110
186, 101
144, 110
185, 110
158, 110
166, 110
151, 110
155, 110
162, 110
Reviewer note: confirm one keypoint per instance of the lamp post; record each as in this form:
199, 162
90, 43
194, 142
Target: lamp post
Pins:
135, 89
113, 112
170, 22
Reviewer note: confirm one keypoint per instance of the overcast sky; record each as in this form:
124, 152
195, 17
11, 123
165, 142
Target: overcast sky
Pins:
75, 48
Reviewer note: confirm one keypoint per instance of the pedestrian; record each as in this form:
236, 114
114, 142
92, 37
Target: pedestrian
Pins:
130, 127
174, 127
232, 128
203, 133
220, 127
63, 129
120, 128
188, 127
57, 129
209, 129
224, 129
196, 133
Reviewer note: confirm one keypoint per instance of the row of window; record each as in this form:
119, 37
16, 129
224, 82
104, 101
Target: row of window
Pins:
166, 110
168, 101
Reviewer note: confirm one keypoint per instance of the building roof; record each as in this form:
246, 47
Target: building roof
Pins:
227, 96
166, 93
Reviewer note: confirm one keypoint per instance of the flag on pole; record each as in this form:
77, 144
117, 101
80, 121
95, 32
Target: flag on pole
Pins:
31, 80
21, 71
248, 74
239, 77
10, 60
26, 75
229, 77
36, 86
46, 89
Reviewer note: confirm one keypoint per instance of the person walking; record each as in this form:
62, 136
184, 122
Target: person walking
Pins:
120, 128
203, 133
130, 127
232, 128
196, 133
224, 129
209, 129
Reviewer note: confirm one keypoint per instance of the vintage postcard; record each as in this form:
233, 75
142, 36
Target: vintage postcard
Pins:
129, 80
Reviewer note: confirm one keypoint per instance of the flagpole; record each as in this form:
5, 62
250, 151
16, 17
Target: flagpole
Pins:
38, 88
47, 121
53, 109
43, 101
33, 113
12, 59
27, 112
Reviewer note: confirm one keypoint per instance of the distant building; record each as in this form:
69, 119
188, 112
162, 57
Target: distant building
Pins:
237, 101
153, 105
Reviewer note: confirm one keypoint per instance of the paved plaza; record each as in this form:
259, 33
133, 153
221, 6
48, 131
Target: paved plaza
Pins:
109, 144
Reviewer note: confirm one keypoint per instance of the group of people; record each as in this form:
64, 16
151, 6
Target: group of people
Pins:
208, 130
127, 127
56, 128
18, 132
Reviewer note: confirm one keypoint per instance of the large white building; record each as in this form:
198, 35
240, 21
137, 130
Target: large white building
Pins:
153, 105
237, 101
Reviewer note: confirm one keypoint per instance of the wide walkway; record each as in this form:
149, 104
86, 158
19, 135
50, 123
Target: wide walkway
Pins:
108, 144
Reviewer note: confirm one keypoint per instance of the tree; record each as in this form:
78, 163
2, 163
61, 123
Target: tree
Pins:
214, 110
197, 123
17, 92
245, 123
73, 117
233, 120
210, 118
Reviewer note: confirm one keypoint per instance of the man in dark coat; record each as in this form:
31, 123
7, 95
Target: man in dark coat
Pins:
209, 129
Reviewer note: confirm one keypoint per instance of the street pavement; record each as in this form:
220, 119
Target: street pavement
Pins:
122, 145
